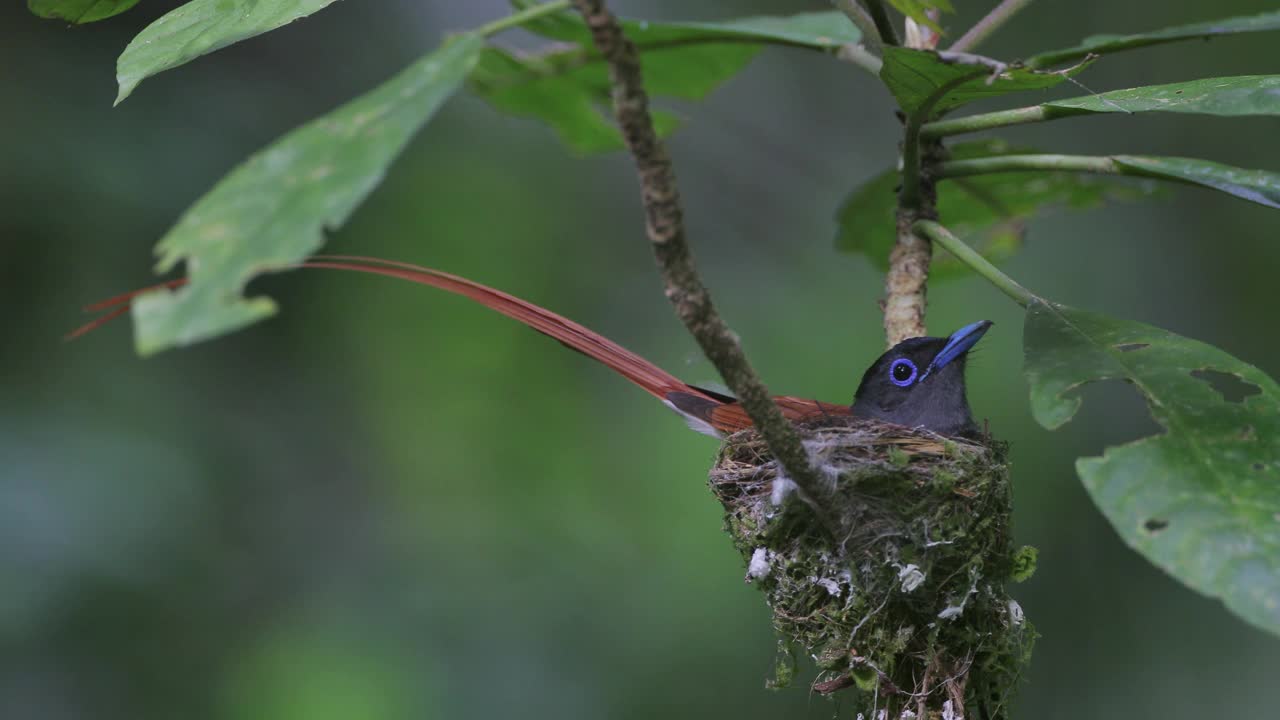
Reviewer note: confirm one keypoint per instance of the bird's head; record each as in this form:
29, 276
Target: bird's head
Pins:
920, 383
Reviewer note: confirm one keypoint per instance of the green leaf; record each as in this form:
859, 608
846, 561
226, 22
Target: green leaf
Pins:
571, 101
1230, 96
1100, 44
923, 81
989, 212
271, 211
568, 88
79, 11
1202, 499
199, 28
816, 30
918, 10
1259, 186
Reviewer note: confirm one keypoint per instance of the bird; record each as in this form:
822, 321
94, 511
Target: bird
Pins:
918, 383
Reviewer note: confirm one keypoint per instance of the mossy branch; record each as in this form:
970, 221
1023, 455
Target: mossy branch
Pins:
684, 287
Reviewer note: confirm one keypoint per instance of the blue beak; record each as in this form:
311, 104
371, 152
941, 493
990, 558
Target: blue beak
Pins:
960, 342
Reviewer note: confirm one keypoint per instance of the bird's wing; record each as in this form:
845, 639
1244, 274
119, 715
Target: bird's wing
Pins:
719, 418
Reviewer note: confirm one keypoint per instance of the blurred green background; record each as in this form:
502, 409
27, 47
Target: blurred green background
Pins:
389, 503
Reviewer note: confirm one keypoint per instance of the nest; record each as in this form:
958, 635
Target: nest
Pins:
900, 595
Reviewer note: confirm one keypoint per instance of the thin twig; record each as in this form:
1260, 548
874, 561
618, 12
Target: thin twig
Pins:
967, 255
981, 30
859, 55
1099, 164
522, 17
884, 25
859, 17
684, 288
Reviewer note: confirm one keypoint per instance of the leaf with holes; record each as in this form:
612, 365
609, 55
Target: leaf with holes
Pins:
1102, 44
199, 28
568, 88
271, 211
1229, 96
79, 11
989, 212
1201, 500
925, 81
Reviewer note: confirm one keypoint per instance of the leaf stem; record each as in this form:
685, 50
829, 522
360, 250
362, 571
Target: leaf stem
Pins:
909, 195
1015, 163
859, 55
967, 255
860, 18
522, 17
880, 16
981, 30
985, 121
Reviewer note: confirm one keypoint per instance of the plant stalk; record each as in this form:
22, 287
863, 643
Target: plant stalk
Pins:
884, 25
522, 17
1016, 163
906, 283
859, 17
985, 121
859, 55
967, 255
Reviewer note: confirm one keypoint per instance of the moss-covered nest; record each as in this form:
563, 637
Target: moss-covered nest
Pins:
901, 597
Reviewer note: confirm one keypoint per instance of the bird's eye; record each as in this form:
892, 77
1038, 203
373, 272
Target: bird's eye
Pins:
902, 372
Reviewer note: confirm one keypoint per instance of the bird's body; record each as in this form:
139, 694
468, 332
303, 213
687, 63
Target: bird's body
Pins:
933, 397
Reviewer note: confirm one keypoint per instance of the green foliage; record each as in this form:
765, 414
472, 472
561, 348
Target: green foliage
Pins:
199, 28
1102, 44
79, 11
568, 88
815, 30
1242, 95
923, 81
271, 210
989, 212
1201, 500
1259, 186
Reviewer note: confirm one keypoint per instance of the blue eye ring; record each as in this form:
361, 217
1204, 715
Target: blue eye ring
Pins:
898, 377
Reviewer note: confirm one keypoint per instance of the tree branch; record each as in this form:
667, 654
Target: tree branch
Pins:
989, 24
684, 288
